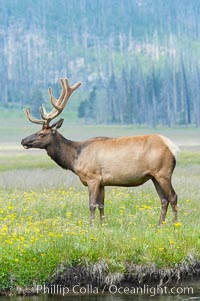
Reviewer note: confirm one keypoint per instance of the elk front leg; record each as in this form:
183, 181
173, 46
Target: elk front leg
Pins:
94, 191
101, 203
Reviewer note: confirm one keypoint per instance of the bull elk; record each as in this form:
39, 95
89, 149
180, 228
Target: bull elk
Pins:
102, 161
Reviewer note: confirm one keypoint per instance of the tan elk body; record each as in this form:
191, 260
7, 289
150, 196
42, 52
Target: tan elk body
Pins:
102, 161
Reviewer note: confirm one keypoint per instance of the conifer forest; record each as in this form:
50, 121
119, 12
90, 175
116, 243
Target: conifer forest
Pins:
138, 60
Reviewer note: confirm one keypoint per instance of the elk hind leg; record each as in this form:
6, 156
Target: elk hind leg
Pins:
173, 203
163, 199
171, 196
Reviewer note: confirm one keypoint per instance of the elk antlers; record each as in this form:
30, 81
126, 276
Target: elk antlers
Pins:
58, 104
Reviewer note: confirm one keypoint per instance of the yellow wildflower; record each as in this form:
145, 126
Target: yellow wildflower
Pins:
69, 214
177, 224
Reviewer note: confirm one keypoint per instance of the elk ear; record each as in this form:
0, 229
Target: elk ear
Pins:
57, 125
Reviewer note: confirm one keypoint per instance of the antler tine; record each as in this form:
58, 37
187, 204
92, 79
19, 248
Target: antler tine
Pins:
32, 119
75, 86
44, 114
70, 90
56, 102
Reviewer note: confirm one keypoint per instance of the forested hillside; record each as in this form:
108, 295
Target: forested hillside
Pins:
138, 60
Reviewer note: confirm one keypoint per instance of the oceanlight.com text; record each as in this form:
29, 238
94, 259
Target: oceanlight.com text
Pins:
113, 290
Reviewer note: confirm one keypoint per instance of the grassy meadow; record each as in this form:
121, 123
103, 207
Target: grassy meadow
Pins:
44, 215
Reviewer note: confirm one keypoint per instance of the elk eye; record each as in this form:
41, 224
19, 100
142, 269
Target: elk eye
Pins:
41, 135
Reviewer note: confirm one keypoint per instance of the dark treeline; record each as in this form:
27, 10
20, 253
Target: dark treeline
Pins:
164, 95
139, 60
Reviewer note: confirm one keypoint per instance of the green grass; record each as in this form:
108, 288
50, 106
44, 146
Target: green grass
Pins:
39, 230
44, 215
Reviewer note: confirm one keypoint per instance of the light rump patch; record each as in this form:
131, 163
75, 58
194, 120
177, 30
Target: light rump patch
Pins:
174, 149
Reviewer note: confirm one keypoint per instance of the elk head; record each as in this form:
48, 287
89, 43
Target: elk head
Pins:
44, 137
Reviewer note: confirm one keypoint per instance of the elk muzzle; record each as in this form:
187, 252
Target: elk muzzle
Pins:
29, 141
25, 143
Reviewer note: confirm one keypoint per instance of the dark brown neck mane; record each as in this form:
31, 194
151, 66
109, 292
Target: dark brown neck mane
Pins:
62, 151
